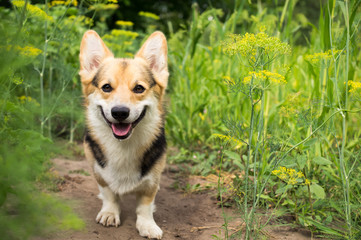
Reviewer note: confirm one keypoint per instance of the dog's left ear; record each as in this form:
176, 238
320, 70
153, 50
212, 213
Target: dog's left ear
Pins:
154, 52
92, 53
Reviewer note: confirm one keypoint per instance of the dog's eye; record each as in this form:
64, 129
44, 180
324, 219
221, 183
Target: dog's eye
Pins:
138, 89
107, 88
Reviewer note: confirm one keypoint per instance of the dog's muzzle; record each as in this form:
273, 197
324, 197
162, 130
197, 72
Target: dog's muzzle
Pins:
122, 130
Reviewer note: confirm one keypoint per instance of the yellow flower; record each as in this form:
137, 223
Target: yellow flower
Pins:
117, 32
61, 2
307, 182
300, 175
23, 99
17, 80
201, 116
289, 175
315, 58
29, 51
149, 15
264, 75
354, 86
124, 23
56, 3
100, 7
283, 176
229, 139
292, 181
251, 45
33, 10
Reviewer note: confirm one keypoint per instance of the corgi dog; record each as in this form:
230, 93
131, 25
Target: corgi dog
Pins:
124, 140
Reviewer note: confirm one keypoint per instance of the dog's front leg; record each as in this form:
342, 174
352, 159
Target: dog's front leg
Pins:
109, 214
145, 222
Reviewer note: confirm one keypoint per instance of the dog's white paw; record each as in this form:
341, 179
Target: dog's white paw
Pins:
148, 228
108, 219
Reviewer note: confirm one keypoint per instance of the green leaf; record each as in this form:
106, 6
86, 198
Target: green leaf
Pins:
283, 189
321, 161
289, 162
318, 191
232, 155
325, 229
266, 197
301, 161
310, 142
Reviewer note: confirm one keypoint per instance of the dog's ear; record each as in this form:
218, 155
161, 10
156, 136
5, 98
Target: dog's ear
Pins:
92, 52
154, 52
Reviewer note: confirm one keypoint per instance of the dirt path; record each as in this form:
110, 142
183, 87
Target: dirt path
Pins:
180, 216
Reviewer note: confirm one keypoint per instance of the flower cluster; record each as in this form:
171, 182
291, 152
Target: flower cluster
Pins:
354, 86
315, 58
83, 20
124, 23
263, 76
103, 7
62, 2
17, 80
291, 176
33, 10
24, 99
149, 15
27, 51
117, 33
253, 45
229, 139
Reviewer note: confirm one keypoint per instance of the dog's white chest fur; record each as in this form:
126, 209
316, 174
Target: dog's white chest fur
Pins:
123, 158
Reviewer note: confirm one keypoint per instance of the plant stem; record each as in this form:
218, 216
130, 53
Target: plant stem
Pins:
247, 166
43, 70
345, 176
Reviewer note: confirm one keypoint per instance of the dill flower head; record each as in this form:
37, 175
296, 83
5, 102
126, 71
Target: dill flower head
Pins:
104, 7
27, 51
354, 86
149, 15
254, 45
317, 57
33, 10
124, 23
264, 75
117, 33
62, 2
291, 176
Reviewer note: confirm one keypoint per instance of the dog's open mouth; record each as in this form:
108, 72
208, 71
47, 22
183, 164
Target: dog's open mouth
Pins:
123, 130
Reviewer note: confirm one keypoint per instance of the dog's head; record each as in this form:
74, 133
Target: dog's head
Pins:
121, 90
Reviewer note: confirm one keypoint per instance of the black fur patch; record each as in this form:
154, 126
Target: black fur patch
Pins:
152, 155
96, 150
152, 81
96, 79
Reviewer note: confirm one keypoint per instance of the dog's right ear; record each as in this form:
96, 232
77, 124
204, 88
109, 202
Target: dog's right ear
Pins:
92, 52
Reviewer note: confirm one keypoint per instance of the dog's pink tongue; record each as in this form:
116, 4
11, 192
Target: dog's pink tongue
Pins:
121, 129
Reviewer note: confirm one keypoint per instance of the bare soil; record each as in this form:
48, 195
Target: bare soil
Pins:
179, 215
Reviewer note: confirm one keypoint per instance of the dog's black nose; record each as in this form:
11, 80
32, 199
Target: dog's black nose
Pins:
120, 113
